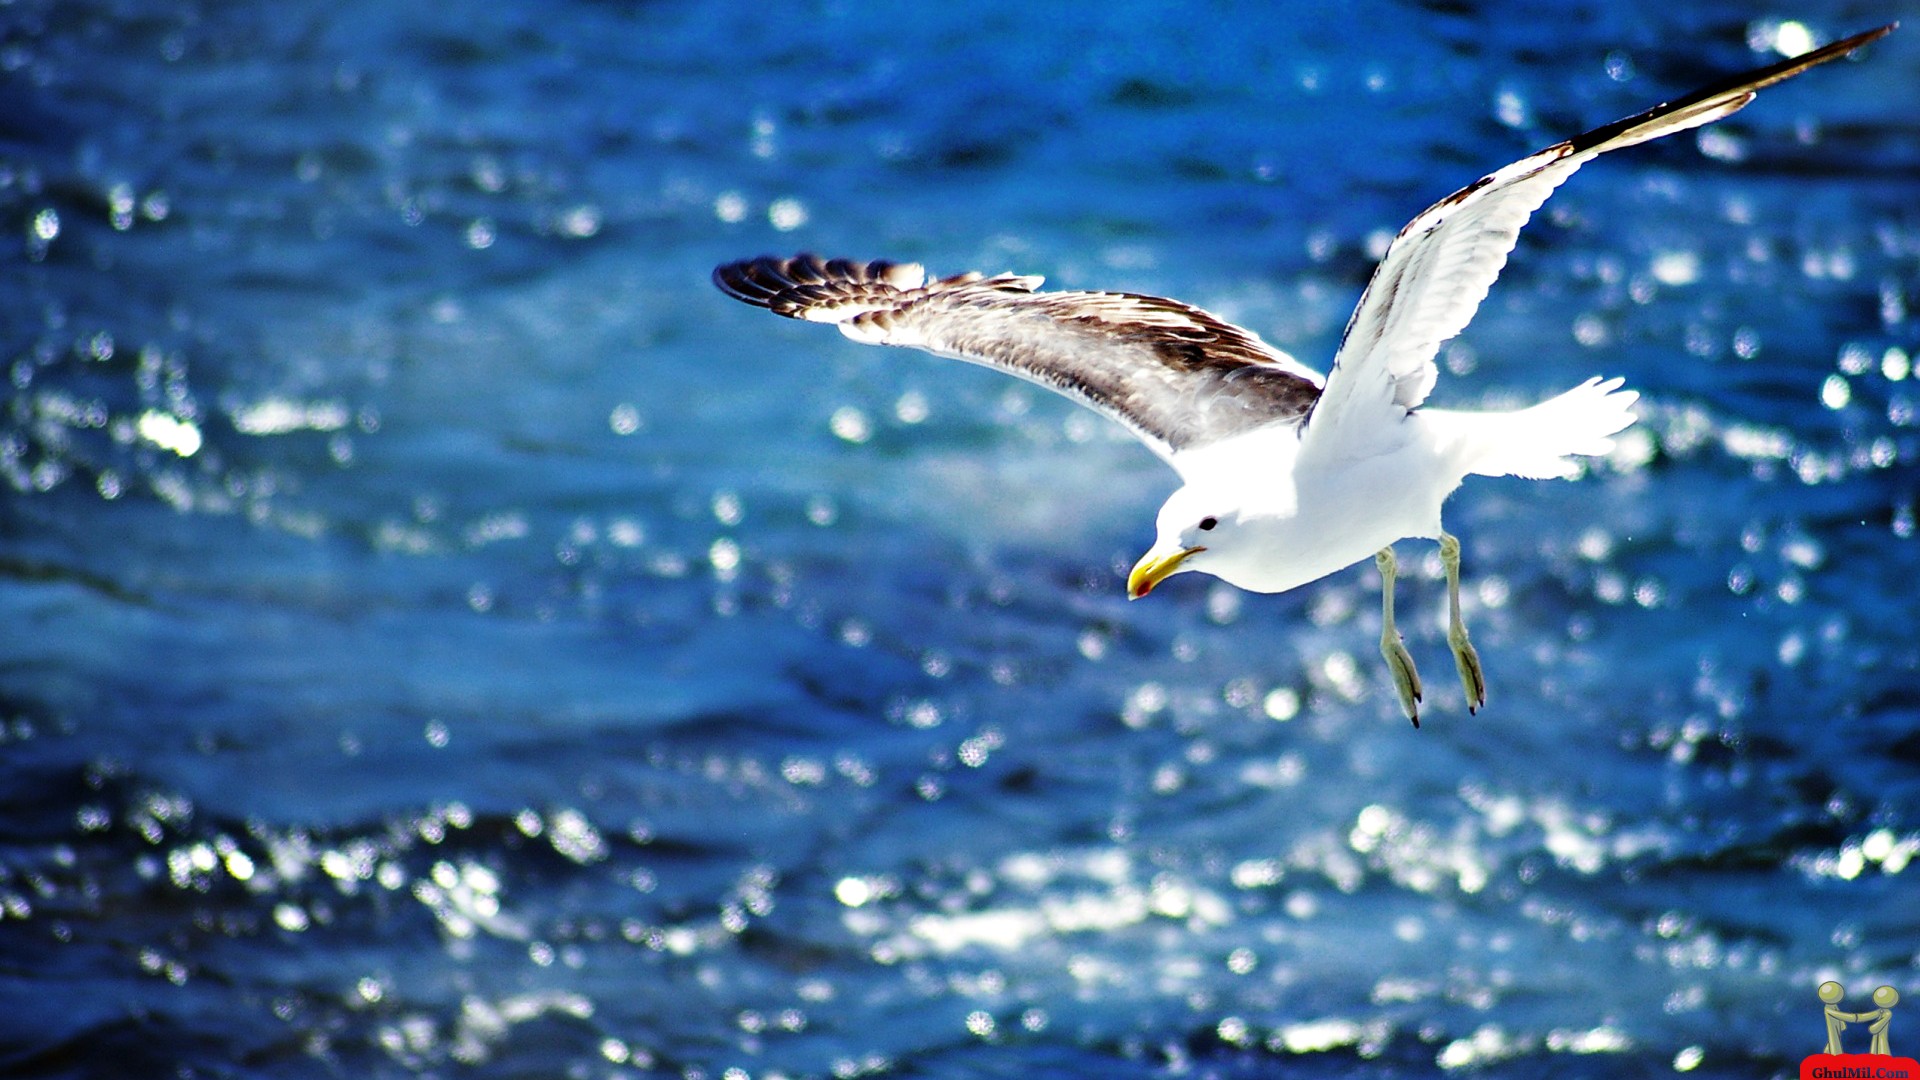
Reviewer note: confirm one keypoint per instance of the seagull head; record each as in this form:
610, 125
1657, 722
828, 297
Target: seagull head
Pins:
1191, 525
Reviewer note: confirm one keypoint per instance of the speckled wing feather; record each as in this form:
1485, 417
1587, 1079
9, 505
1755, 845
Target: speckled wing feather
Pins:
1438, 270
1175, 375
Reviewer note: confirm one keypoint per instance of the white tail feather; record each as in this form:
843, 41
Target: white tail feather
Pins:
1541, 442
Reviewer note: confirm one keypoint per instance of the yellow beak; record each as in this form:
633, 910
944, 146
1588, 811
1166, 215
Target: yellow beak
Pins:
1155, 567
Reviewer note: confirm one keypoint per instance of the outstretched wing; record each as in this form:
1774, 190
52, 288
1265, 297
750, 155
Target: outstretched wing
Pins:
1176, 376
1438, 270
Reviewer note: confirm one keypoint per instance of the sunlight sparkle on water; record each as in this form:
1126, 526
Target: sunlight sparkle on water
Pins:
1676, 267
1787, 37
786, 673
278, 416
1895, 364
169, 432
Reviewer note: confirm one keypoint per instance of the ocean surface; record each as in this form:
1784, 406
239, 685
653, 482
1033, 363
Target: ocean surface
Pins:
442, 636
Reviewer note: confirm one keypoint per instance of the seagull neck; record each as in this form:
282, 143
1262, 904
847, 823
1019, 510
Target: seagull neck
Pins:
1258, 458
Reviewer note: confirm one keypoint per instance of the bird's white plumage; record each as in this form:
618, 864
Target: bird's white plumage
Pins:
1288, 476
1441, 266
1178, 377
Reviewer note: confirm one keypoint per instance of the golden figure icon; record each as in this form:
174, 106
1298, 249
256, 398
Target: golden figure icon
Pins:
1878, 1020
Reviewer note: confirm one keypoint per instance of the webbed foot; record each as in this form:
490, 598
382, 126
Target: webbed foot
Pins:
1406, 678
1472, 678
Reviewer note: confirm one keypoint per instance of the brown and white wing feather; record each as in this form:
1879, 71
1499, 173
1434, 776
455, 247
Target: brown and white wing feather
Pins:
1439, 268
1178, 377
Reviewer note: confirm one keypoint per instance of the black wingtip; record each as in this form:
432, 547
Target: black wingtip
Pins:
795, 286
1747, 82
1760, 78
758, 280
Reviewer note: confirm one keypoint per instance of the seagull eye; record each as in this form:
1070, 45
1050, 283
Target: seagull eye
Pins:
1207, 523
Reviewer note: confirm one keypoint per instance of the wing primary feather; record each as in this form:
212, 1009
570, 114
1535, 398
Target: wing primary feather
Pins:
1177, 376
1439, 268
1735, 91
1181, 378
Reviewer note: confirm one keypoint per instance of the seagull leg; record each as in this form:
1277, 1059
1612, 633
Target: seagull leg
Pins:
1399, 662
1472, 679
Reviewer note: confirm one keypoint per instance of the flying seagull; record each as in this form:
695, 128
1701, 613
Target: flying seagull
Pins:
1288, 476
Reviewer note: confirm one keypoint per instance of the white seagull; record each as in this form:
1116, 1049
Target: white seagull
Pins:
1288, 476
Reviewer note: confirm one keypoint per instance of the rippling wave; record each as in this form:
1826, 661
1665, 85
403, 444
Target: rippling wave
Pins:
444, 637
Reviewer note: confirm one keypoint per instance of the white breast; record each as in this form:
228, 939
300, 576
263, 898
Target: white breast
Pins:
1304, 526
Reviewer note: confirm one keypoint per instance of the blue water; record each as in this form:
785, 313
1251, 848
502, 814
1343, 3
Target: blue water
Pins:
446, 637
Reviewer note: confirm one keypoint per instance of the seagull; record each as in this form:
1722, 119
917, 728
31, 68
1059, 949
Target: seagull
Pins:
1287, 475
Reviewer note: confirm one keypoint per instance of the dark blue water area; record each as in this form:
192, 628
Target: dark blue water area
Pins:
443, 636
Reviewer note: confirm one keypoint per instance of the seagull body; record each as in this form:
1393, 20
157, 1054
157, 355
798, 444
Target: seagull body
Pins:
1288, 476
